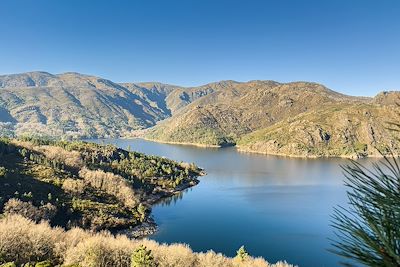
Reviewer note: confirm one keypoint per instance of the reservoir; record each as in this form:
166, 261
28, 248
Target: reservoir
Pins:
278, 208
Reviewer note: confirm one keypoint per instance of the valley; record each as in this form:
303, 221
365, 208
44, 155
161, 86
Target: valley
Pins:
300, 119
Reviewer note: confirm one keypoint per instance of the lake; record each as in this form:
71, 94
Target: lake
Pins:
279, 208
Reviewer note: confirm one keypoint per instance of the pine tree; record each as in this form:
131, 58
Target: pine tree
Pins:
142, 257
242, 254
368, 231
142, 211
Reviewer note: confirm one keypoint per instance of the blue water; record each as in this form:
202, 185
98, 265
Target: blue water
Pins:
279, 208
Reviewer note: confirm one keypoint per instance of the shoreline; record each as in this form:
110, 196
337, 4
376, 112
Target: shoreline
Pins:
179, 143
249, 151
149, 226
354, 157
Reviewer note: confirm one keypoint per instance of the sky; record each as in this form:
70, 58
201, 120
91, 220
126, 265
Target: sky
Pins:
351, 46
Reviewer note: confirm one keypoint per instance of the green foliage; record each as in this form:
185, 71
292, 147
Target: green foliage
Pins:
8, 264
142, 257
368, 231
142, 211
3, 171
44, 264
242, 254
195, 135
45, 170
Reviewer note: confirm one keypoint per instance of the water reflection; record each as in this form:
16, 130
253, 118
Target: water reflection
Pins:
278, 207
173, 199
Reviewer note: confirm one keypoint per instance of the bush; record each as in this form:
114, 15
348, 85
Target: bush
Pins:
21, 241
112, 184
76, 187
242, 254
142, 257
44, 264
3, 171
28, 210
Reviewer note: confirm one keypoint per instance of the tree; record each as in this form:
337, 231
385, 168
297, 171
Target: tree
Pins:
369, 230
44, 264
3, 171
242, 254
142, 257
142, 211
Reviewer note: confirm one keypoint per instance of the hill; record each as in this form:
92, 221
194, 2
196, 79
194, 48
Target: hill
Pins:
84, 184
74, 104
337, 130
285, 119
258, 116
84, 188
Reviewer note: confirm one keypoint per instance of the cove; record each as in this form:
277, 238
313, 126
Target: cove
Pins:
279, 208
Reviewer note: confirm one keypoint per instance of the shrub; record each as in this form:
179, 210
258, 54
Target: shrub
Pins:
28, 210
142, 211
142, 257
101, 250
112, 184
44, 264
76, 187
242, 254
21, 241
3, 171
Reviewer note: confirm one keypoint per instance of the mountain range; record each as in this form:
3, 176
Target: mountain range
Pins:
302, 119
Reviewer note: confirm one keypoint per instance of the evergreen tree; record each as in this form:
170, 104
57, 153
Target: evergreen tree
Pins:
368, 231
142, 211
142, 257
242, 254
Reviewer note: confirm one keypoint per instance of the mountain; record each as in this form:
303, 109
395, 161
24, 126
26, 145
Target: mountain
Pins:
296, 119
340, 129
76, 104
293, 119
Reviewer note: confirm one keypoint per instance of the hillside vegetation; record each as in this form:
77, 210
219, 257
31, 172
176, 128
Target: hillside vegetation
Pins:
339, 130
84, 184
22, 241
81, 204
294, 119
259, 116
73, 104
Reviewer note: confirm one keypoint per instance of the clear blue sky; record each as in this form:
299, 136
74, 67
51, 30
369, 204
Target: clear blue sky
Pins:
352, 46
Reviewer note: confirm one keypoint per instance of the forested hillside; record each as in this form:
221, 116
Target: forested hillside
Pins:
84, 188
84, 184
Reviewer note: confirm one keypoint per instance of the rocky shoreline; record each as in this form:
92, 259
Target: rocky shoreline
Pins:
149, 226
179, 143
242, 149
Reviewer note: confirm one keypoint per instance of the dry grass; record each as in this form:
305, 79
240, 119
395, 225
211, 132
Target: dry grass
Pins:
22, 240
